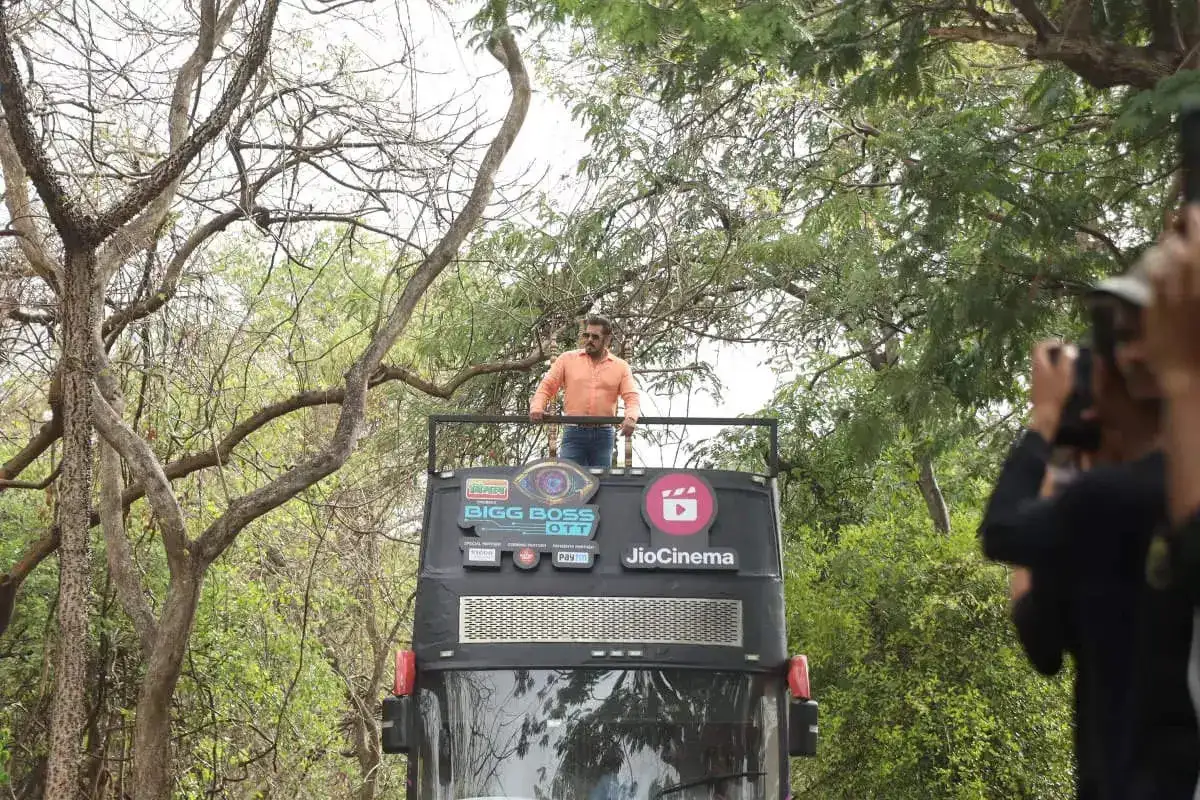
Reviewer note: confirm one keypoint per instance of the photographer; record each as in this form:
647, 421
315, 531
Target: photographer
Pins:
1086, 548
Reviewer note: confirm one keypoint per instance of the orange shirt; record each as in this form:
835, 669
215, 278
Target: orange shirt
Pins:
591, 387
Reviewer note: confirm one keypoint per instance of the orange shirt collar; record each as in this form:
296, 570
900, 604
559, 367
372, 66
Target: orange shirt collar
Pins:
608, 356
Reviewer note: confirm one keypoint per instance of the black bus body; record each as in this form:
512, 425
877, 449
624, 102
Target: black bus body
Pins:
599, 635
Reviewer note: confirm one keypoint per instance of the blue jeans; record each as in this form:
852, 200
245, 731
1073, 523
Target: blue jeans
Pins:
588, 447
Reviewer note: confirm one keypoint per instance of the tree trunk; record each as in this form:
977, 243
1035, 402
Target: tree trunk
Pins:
934, 501
366, 748
152, 728
80, 315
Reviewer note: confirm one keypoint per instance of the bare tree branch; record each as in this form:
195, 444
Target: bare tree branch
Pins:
40, 443
30, 317
1102, 64
1104, 239
35, 485
155, 484
67, 219
35, 554
221, 453
139, 232
931, 492
20, 211
1165, 24
1033, 14
170, 282
165, 172
119, 554
221, 533
446, 390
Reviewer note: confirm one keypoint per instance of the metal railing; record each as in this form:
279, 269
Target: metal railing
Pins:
552, 422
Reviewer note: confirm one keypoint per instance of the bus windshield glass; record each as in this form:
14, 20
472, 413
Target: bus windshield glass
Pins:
598, 734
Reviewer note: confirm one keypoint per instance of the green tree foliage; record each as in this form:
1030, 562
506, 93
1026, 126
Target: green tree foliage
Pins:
924, 691
885, 49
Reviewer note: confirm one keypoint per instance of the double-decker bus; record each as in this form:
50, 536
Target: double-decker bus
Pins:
588, 634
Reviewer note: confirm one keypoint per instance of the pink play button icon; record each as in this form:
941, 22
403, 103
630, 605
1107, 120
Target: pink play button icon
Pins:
679, 504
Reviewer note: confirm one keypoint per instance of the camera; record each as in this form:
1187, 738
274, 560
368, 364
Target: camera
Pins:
1074, 429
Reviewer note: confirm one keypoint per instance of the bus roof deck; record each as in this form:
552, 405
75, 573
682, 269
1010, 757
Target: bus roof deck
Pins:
549, 564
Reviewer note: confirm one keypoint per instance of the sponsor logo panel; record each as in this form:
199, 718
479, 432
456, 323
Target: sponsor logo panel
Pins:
573, 559
526, 557
679, 504
543, 508
679, 508
664, 557
493, 489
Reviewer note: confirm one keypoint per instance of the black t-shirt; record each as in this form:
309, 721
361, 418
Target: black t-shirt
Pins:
1087, 547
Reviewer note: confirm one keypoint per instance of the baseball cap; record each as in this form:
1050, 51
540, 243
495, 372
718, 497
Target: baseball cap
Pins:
1133, 285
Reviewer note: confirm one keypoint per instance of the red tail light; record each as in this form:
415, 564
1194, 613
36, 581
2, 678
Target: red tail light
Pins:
798, 678
406, 673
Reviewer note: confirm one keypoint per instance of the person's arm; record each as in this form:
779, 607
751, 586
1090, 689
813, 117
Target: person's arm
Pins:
1183, 449
1037, 608
549, 386
1185, 556
1028, 534
1020, 580
1172, 326
1017, 525
630, 395
1037, 616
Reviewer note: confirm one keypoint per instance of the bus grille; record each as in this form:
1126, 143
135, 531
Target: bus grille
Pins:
608, 620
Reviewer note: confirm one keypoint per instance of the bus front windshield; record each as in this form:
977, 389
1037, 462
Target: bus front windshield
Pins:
607, 734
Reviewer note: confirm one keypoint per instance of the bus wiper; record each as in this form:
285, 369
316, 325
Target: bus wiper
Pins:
706, 781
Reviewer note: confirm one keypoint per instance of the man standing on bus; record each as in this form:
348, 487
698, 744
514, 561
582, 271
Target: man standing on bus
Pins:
592, 379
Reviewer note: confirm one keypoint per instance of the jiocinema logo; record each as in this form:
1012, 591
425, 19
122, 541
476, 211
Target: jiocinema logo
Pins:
673, 557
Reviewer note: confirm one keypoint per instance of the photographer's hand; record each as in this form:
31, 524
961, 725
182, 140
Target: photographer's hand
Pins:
1052, 380
1173, 339
1172, 321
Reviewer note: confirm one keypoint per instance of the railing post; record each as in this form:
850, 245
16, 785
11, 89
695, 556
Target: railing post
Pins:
432, 465
554, 351
629, 450
773, 444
